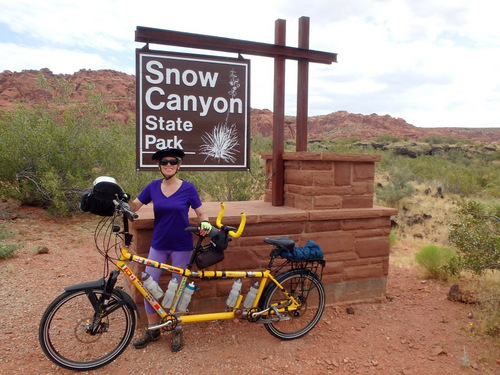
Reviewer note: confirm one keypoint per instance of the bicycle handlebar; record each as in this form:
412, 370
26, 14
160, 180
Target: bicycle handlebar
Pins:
125, 208
240, 227
131, 215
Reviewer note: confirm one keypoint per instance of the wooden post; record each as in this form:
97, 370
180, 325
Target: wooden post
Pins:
302, 87
279, 117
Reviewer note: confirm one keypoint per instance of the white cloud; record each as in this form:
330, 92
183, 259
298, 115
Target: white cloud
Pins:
431, 62
59, 61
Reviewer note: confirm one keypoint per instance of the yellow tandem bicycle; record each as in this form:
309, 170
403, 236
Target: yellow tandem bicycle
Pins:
91, 324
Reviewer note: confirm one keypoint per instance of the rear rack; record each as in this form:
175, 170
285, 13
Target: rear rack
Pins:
310, 264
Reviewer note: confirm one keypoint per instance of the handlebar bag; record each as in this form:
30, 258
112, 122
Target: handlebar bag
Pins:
99, 199
215, 251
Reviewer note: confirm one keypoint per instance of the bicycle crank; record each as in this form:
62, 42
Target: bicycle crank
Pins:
168, 323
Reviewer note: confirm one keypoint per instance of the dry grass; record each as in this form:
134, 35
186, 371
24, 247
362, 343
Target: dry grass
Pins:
434, 230
422, 220
486, 290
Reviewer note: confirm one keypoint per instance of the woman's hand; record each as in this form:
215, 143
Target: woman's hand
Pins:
205, 228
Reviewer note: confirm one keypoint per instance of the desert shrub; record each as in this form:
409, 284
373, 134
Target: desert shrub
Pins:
51, 152
476, 234
435, 261
440, 139
261, 144
4, 233
397, 187
7, 250
392, 239
230, 186
387, 138
428, 168
459, 174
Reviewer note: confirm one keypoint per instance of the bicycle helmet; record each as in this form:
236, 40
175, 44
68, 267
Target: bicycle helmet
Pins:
169, 151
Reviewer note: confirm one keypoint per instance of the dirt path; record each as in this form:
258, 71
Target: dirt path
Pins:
417, 331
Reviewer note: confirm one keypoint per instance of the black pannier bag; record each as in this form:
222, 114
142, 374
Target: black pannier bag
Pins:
99, 199
215, 251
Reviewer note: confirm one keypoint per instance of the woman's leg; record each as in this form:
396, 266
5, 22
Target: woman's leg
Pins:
152, 316
179, 259
159, 256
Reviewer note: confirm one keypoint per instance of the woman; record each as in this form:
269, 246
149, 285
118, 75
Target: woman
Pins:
172, 198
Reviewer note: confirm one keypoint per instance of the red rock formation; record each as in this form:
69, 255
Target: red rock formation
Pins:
118, 89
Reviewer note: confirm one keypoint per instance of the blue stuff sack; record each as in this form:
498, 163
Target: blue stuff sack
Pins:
311, 251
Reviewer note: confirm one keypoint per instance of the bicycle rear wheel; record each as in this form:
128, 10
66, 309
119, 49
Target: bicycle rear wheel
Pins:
73, 336
307, 289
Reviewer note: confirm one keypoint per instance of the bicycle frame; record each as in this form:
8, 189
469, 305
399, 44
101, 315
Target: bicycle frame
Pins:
264, 276
236, 312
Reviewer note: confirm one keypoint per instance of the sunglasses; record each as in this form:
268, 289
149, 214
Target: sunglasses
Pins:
169, 161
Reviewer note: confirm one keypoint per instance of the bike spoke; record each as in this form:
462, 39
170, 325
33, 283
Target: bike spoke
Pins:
74, 337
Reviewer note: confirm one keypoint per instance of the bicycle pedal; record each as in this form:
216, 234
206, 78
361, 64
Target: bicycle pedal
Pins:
273, 320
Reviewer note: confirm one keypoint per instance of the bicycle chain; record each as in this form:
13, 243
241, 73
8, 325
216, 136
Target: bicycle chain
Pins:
249, 315
172, 325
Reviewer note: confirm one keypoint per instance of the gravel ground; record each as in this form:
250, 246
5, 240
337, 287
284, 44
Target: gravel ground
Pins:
416, 331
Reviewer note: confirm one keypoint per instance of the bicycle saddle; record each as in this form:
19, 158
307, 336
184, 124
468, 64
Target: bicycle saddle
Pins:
282, 242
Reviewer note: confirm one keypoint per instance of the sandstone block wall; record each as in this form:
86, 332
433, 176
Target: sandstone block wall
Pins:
319, 181
328, 199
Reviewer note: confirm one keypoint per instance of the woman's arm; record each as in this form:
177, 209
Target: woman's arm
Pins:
203, 216
135, 205
201, 213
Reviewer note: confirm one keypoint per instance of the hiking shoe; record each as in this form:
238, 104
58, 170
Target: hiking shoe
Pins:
177, 340
147, 337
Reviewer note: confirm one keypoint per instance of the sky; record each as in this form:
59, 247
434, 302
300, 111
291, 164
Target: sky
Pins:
433, 63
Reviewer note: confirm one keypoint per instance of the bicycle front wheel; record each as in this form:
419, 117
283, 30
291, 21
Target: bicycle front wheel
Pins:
307, 289
75, 337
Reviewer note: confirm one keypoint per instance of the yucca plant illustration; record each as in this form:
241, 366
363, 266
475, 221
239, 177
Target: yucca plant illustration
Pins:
221, 143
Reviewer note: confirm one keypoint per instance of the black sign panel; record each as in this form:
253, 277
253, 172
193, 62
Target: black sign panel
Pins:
200, 104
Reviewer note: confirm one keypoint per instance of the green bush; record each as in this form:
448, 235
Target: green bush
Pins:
476, 234
7, 250
230, 186
397, 188
440, 139
435, 260
50, 153
392, 239
458, 174
387, 138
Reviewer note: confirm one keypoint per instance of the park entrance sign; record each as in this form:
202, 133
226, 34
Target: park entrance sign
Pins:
200, 104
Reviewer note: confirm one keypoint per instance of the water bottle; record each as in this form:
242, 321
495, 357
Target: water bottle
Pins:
170, 294
186, 297
252, 293
152, 285
234, 294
